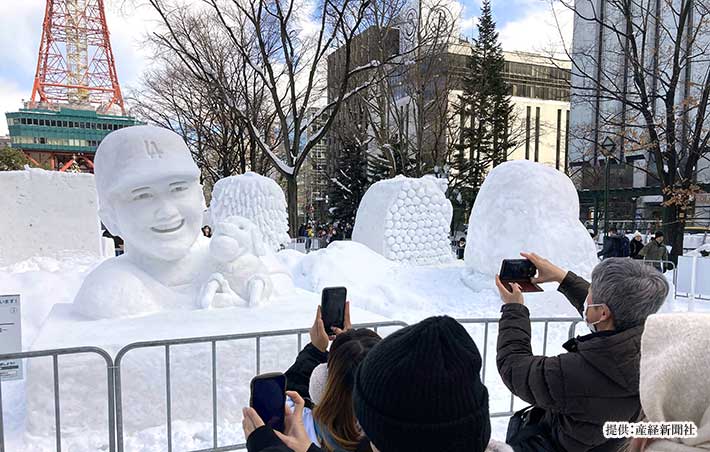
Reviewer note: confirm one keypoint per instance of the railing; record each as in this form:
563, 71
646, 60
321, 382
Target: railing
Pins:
546, 321
55, 354
213, 340
116, 415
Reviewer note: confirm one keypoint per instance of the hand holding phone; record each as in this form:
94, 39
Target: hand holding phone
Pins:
268, 398
521, 272
333, 308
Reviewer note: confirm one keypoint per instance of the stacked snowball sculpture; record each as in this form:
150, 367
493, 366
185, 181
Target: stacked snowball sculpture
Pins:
257, 198
406, 220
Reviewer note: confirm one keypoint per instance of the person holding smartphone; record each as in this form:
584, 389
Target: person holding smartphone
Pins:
320, 389
597, 380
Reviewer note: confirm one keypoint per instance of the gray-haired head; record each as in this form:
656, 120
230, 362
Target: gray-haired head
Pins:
631, 289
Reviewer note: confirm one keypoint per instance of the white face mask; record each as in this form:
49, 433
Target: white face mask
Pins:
592, 325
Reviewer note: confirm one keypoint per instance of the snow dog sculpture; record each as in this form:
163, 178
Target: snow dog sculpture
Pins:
257, 198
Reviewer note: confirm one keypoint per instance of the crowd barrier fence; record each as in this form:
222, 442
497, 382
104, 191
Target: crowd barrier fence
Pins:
116, 414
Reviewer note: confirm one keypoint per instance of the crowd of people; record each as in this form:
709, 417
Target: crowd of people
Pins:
617, 244
318, 236
419, 389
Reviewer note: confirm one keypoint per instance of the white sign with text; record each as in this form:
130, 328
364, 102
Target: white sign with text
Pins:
10, 336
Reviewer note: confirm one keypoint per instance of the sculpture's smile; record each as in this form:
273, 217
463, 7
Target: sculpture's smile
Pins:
168, 228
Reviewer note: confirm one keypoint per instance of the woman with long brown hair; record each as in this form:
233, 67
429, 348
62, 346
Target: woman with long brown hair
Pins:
334, 417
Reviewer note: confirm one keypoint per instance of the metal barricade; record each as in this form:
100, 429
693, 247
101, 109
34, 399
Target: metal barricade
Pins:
213, 340
55, 354
573, 321
113, 370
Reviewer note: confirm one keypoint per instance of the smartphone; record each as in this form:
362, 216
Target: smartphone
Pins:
333, 307
521, 272
268, 398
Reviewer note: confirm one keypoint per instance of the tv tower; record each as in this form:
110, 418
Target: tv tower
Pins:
76, 64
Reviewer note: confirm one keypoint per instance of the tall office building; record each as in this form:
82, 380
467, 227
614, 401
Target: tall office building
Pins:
607, 104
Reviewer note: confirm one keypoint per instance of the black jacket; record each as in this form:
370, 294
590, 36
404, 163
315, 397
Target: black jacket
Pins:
635, 246
614, 246
597, 381
264, 439
298, 376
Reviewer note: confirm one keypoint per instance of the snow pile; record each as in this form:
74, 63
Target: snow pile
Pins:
257, 198
701, 251
526, 206
406, 220
47, 213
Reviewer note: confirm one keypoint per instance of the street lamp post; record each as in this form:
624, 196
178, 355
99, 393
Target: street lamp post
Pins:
608, 146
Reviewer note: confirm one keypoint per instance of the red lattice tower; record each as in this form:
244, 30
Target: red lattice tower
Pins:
76, 63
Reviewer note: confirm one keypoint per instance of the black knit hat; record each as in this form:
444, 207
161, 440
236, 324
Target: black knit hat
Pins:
419, 390
658, 234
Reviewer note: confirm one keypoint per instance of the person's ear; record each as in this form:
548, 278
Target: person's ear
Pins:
108, 217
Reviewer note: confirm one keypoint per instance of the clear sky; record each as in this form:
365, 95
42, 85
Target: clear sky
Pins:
523, 24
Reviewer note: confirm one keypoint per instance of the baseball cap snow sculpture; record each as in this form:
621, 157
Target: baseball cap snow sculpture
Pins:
150, 195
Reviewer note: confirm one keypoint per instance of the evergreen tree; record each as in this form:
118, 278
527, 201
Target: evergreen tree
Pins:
12, 159
350, 181
484, 107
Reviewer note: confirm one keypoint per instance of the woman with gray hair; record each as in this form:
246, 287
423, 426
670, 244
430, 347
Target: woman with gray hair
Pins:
575, 393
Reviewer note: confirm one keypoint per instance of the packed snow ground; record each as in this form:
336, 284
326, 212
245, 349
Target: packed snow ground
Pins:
379, 289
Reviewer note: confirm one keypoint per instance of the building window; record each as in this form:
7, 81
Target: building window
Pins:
23, 121
35, 122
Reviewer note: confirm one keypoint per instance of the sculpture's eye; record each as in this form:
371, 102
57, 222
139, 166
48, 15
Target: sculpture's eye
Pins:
178, 188
141, 196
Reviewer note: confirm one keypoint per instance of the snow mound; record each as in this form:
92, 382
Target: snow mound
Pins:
406, 220
700, 251
257, 198
526, 206
46, 213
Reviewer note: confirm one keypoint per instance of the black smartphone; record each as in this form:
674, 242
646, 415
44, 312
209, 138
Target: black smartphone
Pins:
521, 272
268, 398
332, 307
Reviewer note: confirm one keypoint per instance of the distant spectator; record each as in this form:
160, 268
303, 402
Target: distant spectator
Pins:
461, 248
597, 381
309, 238
656, 251
636, 246
302, 230
615, 245
674, 379
207, 231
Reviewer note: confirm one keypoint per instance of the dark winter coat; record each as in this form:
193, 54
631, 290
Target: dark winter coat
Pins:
614, 246
635, 248
654, 251
298, 376
597, 381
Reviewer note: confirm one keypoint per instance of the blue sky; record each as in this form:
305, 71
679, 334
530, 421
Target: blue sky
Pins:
523, 25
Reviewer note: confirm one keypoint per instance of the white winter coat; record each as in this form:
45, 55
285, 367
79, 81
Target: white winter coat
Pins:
675, 377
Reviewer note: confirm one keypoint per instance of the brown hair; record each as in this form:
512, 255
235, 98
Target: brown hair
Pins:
335, 413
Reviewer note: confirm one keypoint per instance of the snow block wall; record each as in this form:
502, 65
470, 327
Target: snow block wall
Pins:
406, 220
48, 214
257, 198
526, 206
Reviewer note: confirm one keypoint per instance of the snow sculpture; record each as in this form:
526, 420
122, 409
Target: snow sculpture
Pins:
257, 198
526, 206
34, 206
150, 195
241, 277
406, 220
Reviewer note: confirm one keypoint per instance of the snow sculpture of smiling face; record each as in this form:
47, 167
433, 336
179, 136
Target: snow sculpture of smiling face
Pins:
149, 192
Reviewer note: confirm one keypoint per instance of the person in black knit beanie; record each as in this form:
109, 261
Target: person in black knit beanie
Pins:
420, 390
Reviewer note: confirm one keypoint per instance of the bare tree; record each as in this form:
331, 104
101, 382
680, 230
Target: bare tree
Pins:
641, 68
173, 97
285, 42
